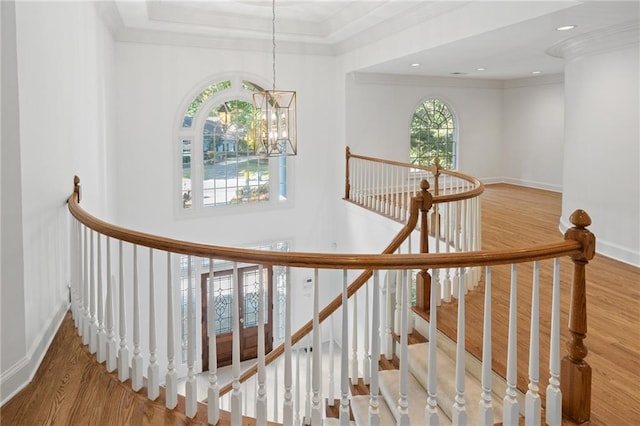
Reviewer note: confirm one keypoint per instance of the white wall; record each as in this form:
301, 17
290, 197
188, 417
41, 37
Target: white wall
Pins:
602, 148
380, 109
533, 135
65, 68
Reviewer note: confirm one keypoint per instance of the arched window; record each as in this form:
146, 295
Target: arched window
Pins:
218, 163
433, 134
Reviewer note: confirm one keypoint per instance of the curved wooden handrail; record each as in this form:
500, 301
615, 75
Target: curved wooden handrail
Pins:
369, 262
478, 187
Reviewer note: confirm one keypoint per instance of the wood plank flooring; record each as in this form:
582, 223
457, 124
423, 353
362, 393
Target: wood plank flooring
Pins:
515, 217
70, 388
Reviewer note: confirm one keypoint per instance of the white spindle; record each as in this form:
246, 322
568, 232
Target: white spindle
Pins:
307, 399
366, 359
236, 393
485, 405
93, 321
171, 380
102, 336
276, 398
354, 342
261, 400
111, 338
459, 411
86, 319
403, 397
331, 395
344, 367
374, 410
554, 395
398, 310
316, 407
153, 370
511, 409
123, 352
388, 311
298, 396
136, 361
436, 286
213, 392
446, 285
456, 246
73, 268
287, 416
431, 409
533, 404
191, 391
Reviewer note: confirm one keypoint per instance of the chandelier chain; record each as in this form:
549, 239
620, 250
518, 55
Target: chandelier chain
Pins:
273, 39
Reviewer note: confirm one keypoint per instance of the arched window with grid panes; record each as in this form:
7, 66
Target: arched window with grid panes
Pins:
218, 164
434, 135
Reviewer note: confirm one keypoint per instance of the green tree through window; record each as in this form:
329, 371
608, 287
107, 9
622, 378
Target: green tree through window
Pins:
433, 134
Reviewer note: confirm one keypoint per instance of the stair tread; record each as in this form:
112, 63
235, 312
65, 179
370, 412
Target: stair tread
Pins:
417, 396
360, 410
446, 381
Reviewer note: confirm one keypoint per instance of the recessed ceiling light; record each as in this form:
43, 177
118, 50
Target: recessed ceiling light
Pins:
481, 69
565, 28
536, 72
459, 73
415, 64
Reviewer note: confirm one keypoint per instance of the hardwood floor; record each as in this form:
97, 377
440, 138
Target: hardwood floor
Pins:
514, 217
71, 388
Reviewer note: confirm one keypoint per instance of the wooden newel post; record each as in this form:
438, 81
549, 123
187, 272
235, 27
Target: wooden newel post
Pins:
423, 278
575, 372
347, 184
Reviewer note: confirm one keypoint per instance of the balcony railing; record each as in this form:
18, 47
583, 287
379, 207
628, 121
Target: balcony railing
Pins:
122, 279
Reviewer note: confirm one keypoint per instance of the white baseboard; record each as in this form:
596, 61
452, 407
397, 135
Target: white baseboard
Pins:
21, 373
523, 182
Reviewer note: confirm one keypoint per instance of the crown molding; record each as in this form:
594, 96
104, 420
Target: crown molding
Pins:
620, 36
423, 80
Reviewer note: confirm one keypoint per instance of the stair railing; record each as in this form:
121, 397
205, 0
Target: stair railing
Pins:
88, 232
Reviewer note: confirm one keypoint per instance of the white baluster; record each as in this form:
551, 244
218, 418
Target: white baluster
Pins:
511, 409
459, 412
403, 397
456, 246
191, 391
446, 285
431, 409
86, 321
408, 311
366, 359
123, 352
316, 401
153, 370
331, 395
485, 406
236, 393
374, 410
354, 342
344, 367
287, 412
261, 399
435, 285
93, 322
101, 355
398, 310
213, 392
276, 399
136, 361
111, 338
172, 376
298, 396
73, 261
532, 406
554, 395
307, 400
388, 310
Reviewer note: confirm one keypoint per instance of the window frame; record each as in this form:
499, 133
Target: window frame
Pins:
195, 135
455, 128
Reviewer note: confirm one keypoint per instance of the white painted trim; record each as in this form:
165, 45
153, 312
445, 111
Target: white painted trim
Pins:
14, 379
421, 80
609, 249
522, 182
541, 80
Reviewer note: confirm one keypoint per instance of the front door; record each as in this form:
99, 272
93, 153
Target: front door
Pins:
221, 293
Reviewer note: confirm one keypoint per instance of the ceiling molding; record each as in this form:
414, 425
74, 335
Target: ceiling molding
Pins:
422, 81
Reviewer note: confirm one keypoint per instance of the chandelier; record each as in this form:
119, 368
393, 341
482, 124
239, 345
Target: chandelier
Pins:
275, 114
